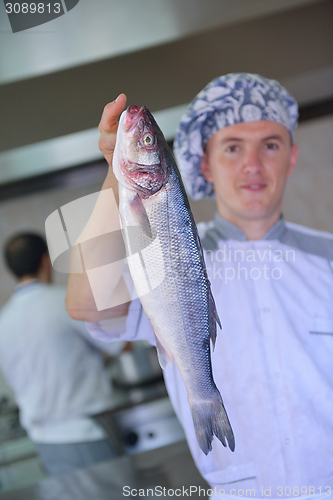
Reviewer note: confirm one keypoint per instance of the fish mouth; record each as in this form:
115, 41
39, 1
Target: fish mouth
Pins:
144, 183
133, 115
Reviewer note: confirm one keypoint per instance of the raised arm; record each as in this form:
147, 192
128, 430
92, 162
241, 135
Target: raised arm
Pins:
80, 299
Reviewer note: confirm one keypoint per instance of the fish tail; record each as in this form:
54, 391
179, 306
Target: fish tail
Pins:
210, 418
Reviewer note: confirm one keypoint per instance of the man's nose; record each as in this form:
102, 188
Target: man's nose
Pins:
252, 161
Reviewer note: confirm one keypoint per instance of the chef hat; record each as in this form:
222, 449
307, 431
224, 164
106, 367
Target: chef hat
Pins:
229, 99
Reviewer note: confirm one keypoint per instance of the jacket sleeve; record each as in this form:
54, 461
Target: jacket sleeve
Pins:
135, 327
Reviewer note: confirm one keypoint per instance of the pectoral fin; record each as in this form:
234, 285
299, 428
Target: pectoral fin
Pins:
164, 357
140, 214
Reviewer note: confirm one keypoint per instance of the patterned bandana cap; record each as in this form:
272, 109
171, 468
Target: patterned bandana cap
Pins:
229, 99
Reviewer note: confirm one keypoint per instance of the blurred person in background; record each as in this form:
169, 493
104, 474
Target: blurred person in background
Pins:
56, 369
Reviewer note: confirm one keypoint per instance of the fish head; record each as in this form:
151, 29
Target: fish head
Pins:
139, 161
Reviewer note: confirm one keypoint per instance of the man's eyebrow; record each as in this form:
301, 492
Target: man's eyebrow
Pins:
273, 138
233, 139
276, 137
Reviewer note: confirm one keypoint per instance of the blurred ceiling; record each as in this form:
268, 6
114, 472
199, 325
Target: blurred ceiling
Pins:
100, 30
56, 78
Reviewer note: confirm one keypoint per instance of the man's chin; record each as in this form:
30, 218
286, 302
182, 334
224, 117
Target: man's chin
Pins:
256, 212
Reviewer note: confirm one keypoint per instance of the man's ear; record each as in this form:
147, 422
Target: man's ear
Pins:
293, 159
45, 268
204, 168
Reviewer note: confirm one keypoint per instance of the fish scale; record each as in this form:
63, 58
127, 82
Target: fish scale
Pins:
164, 253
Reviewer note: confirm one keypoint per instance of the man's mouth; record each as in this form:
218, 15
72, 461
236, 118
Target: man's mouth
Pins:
254, 186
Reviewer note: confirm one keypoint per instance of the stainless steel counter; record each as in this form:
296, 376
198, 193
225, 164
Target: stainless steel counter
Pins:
122, 398
159, 470
126, 397
140, 419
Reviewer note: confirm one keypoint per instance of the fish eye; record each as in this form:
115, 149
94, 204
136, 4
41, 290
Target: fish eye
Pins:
148, 139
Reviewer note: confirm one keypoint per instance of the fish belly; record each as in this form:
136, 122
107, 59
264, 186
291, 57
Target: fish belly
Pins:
177, 306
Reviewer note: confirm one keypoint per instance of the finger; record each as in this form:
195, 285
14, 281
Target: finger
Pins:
106, 144
109, 120
108, 126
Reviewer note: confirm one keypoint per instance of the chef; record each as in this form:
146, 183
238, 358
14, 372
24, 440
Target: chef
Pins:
273, 286
54, 366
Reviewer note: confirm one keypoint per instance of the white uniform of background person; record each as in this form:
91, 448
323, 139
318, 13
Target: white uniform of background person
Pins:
273, 360
57, 372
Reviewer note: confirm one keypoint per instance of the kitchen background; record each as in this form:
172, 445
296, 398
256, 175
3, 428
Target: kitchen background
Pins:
56, 78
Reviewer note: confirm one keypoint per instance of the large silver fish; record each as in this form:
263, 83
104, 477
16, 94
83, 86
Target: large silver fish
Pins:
167, 266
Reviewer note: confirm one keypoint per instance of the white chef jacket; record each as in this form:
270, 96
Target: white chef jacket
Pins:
53, 365
273, 360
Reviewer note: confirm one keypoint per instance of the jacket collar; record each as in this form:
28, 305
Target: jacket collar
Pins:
229, 231
222, 229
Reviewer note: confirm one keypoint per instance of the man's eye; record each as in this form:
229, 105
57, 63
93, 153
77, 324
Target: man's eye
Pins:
232, 149
272, 146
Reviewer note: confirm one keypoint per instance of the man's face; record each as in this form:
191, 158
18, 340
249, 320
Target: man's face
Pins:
248, 165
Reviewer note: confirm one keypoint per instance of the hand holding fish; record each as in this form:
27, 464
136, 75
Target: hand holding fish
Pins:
80, 301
